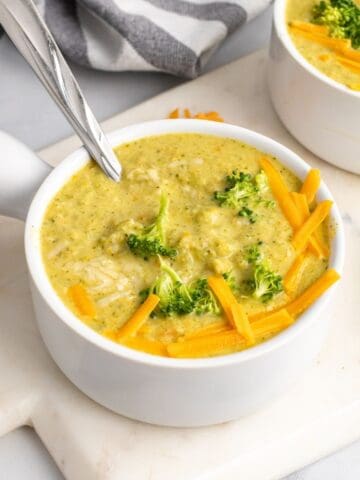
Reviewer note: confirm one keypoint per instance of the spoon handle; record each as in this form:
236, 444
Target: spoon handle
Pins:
31, 36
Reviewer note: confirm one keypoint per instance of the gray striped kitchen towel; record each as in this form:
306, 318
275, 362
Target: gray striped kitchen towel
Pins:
173, 36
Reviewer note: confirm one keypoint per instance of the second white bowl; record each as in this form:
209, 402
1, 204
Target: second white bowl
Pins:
321, 113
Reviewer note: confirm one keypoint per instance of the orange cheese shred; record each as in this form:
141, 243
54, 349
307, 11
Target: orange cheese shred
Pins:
301, 204
216, 327
312, 293
304, 233
174, 113
350, 64
224, 294
311, 185
350, 53
272, 323
187, 113
230, 340
281, 193
131, 327
293, 276
289, 208
144, 345
82, 301
233, 310
336, 44
315, 34
309, 27
212, 115
207, 346
316, 245
242, 323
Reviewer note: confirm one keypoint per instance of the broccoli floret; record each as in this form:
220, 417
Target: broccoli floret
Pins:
143, 294
248, 213
253, 254
263, 284
230, 280
175, 297
239, 185
151, 241
243, 189
342, 17
203, 298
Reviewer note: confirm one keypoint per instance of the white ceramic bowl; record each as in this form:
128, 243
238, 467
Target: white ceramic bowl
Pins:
153, 389
321, 113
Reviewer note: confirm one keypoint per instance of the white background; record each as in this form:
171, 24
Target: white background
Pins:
27, 112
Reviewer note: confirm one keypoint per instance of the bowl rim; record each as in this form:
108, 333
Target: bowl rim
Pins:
279, 22
77, 159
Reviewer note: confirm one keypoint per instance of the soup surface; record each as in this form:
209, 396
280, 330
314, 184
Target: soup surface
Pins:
330, 61
86, 229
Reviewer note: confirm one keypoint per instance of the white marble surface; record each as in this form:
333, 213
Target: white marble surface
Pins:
28, 113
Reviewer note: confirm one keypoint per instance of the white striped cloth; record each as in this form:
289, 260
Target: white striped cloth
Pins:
172, 36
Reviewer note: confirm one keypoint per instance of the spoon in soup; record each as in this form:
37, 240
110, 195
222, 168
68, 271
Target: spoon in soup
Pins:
23, 24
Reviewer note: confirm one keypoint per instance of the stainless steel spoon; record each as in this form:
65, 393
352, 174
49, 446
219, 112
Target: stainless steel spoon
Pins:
22, 22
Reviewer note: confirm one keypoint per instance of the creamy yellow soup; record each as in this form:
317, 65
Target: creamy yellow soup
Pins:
320, 56
87, 224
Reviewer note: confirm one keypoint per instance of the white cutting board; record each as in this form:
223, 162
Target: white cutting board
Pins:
321, 414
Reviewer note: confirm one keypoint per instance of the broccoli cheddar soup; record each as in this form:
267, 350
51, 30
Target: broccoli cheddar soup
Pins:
327, 34
206, 246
